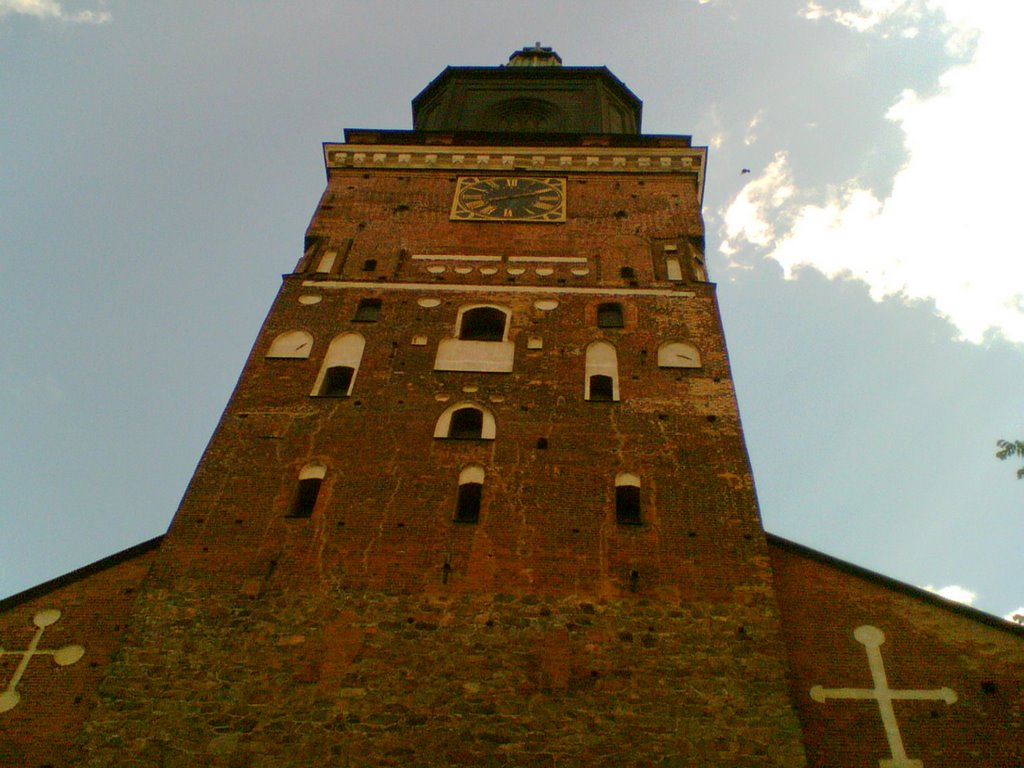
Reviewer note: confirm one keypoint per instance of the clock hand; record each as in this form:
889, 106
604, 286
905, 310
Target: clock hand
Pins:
511, 197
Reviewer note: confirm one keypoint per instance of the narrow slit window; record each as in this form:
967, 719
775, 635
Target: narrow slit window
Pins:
602, 389
368, 311
466, 424
308, 490
305, 497
337, 381
627, 499
609, 315
602, 374
471, 488
483, 324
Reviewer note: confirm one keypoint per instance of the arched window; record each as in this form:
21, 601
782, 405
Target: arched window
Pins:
678, 354
483, 324
627, 499
480, 343
471, 488
609, 315
293, 344
310, 478
341, 363
466, 421
602, 380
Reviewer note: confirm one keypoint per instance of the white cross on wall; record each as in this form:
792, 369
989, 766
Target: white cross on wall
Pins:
872, 638
63, 657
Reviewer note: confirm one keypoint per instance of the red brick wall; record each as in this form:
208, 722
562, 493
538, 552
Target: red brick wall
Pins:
927, 646
96, 612
554, 636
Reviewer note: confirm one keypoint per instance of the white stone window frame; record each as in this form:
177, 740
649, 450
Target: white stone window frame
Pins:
457, 354
345, 350
488, 431
602, 359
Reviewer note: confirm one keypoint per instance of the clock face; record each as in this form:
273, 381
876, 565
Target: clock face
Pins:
509, 198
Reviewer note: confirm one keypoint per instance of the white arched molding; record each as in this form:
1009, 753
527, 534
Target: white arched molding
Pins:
678, 354
627, 478
344, 354
482, 355
474, 473
602, 361
293, 344
313, 471
488, 430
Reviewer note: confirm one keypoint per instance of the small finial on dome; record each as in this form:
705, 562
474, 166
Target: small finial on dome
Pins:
535, 56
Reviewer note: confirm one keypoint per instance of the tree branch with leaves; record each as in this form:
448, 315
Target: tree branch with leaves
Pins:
1010, 448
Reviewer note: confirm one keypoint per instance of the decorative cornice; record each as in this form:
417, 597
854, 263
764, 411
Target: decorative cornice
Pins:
330, 285
546, 160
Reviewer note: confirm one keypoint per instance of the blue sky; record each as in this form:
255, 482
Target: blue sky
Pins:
159, 163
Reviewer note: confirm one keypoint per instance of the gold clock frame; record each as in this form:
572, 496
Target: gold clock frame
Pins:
467, 208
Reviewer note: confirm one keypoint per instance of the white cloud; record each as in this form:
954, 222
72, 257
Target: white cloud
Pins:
751, 135
903, 18
954, 593
51, 9
1017, 616
949, 232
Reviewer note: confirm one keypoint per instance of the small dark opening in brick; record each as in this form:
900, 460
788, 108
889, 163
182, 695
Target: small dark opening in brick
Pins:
627, 273
601, 388
988, 687
305, 497
369, 265
368, 311
467, 506
445, 572
466, 424
627, 505
712, 418
337, 381
609, 315
620, 214
401, 208
542, 443
483, 324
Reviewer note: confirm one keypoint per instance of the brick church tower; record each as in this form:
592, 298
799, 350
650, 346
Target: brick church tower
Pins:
481, 497
484, 465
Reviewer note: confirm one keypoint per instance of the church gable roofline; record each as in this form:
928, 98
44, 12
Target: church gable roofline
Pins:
106, 563
897, 586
